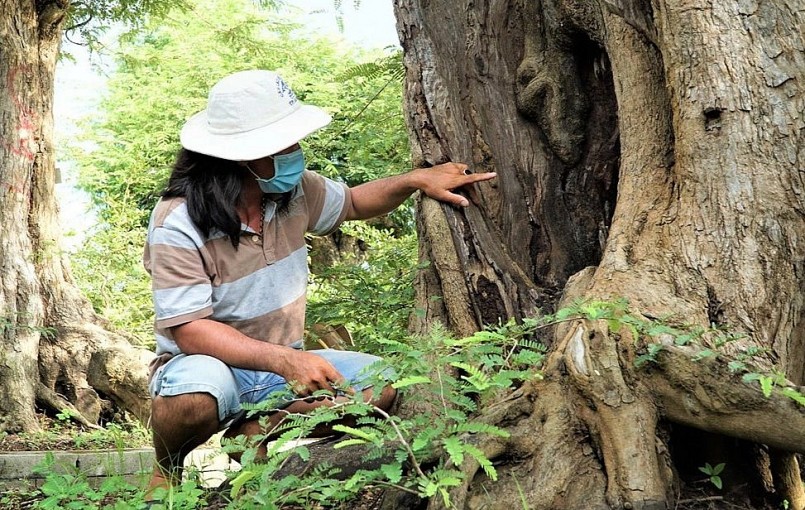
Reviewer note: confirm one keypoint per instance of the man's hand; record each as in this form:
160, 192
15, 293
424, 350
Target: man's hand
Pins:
383, 195
438, 182
308, 373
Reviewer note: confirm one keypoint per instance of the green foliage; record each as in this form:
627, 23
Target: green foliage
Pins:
73, 490
652, 350
9, 323
14, 498
794, 395
114, 435
776, 380
520, 492
424, 453
163, 74
186, 496
109, 271
368, 138
65, 415
61, 433
390, 67
465, 372
713, 473
90, 19
374, 297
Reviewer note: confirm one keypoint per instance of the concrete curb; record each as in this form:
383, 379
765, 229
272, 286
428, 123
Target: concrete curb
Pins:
134, 464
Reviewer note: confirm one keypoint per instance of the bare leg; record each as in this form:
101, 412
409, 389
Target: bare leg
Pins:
180, 423
252, 427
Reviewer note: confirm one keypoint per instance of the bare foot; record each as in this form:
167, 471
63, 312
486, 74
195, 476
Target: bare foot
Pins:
157, 481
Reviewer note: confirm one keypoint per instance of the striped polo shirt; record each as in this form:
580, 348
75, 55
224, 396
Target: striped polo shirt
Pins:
259, 288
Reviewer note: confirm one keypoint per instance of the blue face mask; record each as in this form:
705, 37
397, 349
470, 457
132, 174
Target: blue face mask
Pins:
288, 169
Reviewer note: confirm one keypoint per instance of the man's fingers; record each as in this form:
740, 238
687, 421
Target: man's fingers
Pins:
471, 177
455, 176
331, 374
462, 169
318, 374
450, 198
331, 378
301, 389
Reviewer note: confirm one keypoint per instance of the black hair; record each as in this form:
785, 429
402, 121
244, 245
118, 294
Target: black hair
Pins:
211, 188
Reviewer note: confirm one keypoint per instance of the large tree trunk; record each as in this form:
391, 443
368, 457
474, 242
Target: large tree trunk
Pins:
54, 350
645, 149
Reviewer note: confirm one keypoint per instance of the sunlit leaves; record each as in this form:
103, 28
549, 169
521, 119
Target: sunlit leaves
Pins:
162, 74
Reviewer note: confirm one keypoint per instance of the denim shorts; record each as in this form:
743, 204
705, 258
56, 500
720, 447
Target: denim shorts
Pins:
198, 373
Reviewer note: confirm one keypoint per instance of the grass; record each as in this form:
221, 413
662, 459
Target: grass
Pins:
62, 434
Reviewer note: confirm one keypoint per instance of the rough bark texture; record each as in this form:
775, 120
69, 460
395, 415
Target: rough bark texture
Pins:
660, 145
49, 332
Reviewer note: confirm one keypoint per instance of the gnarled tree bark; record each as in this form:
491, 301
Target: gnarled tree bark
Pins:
659, 145
49, 334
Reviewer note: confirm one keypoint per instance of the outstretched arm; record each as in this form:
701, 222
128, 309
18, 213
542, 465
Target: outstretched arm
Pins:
384, 195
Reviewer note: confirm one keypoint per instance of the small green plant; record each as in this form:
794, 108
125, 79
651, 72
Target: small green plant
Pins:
18, 497
523, 501
457, 375
10, 323
65, 415
62, 434
714, 473
768, 383
372, 298
186, 496
72, 490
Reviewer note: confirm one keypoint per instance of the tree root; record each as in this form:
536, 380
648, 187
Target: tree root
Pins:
787, 479
91, 367
348, 460
120, 372
701, 394
52, 400
636, 474
540, 462
569, 446
704, 395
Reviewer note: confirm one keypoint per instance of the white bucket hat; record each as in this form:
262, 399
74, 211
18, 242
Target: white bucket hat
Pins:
250, 115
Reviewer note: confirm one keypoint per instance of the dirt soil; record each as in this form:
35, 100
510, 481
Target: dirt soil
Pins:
61, 435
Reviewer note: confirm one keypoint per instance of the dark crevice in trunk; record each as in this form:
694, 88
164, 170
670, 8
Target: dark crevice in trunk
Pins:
591, 188
65, 388
746, 464
565, 86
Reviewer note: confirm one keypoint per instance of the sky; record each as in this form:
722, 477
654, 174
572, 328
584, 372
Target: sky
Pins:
371, 24
80, 85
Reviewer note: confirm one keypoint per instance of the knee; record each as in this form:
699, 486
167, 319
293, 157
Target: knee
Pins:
191, 411
385, 400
